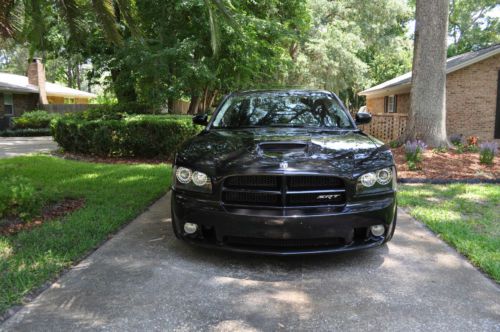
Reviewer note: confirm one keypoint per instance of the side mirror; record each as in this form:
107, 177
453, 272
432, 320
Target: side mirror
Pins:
363, 118
200, 119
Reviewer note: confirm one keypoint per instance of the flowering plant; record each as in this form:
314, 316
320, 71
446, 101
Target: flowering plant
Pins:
487, 152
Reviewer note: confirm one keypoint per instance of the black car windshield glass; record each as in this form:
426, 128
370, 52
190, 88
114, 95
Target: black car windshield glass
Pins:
311, 110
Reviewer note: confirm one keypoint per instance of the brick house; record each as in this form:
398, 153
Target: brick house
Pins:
19, 94
472, 95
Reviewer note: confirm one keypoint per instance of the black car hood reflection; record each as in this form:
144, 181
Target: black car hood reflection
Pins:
222, 152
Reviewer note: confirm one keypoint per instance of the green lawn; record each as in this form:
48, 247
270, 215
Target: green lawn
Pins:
466, 216
114, 195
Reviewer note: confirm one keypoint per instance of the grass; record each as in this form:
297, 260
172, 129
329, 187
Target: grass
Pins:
114, 195
465, 216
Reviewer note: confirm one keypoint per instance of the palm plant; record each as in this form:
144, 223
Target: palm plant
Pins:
27, 19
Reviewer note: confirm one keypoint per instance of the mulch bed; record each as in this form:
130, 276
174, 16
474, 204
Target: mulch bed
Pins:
448, 165
12, 226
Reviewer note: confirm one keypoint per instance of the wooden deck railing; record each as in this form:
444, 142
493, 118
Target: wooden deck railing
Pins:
386, 127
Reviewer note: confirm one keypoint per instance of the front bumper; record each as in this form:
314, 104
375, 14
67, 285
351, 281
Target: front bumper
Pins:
284, 231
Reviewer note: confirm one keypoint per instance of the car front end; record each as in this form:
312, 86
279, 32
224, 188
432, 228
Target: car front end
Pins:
284, 191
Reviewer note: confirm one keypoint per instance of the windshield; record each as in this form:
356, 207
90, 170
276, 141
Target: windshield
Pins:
282, 110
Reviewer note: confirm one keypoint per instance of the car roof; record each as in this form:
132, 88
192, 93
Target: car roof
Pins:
281, 91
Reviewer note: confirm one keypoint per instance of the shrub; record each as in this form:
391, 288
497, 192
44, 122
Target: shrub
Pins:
18, 198
441, 149
413, 153
133, 136
394, 144
487, 152
457, 139
34, 120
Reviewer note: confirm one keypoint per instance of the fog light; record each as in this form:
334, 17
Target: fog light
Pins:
377, 230
190, 228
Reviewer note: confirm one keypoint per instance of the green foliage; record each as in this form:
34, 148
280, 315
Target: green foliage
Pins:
413, 153
25, 132
471, 25
113, 194
487, 152
133, 136
18, 198
459, 148
472, 148
441, 149
353, 44
34, 120
486, 157
395, 144
412, 165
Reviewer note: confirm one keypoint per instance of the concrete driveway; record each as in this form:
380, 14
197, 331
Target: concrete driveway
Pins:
144, 279
17, 146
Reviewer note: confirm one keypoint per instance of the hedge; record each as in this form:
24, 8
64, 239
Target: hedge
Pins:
35, 120
133, 136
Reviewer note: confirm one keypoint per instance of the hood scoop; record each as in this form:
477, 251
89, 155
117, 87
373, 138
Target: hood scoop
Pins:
277, 149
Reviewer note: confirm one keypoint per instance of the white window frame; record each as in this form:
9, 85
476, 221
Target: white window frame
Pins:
11, 104
391, 104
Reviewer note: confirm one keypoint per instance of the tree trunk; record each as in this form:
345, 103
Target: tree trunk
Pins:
202, 108
427, 117
193, 105
123, 86
78, 76
170, 105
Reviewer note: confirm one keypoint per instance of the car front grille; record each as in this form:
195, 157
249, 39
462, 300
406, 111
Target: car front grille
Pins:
283, 190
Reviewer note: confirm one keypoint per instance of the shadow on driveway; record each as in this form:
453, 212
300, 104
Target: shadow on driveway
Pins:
17, 146
145, 279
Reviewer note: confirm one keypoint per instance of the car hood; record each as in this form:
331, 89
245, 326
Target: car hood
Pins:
224, 152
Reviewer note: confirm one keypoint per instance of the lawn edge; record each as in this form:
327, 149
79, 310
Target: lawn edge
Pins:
495, 283
33, 294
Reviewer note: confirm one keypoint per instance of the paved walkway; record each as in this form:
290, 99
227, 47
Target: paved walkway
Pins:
144, 279
17, 146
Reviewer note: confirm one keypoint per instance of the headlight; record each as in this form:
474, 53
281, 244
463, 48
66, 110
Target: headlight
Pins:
183, 174
378, 181
186, 179
384, 176
368, 179
200, 179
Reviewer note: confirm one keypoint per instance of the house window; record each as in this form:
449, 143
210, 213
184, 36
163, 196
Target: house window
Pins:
390, 104
8, 104
69, 100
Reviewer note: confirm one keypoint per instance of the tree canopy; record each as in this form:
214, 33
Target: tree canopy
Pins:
154, 52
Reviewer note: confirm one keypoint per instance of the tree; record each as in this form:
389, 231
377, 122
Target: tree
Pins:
471, 26
427, 117
353, 44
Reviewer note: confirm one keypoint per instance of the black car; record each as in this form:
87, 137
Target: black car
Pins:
284, 172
